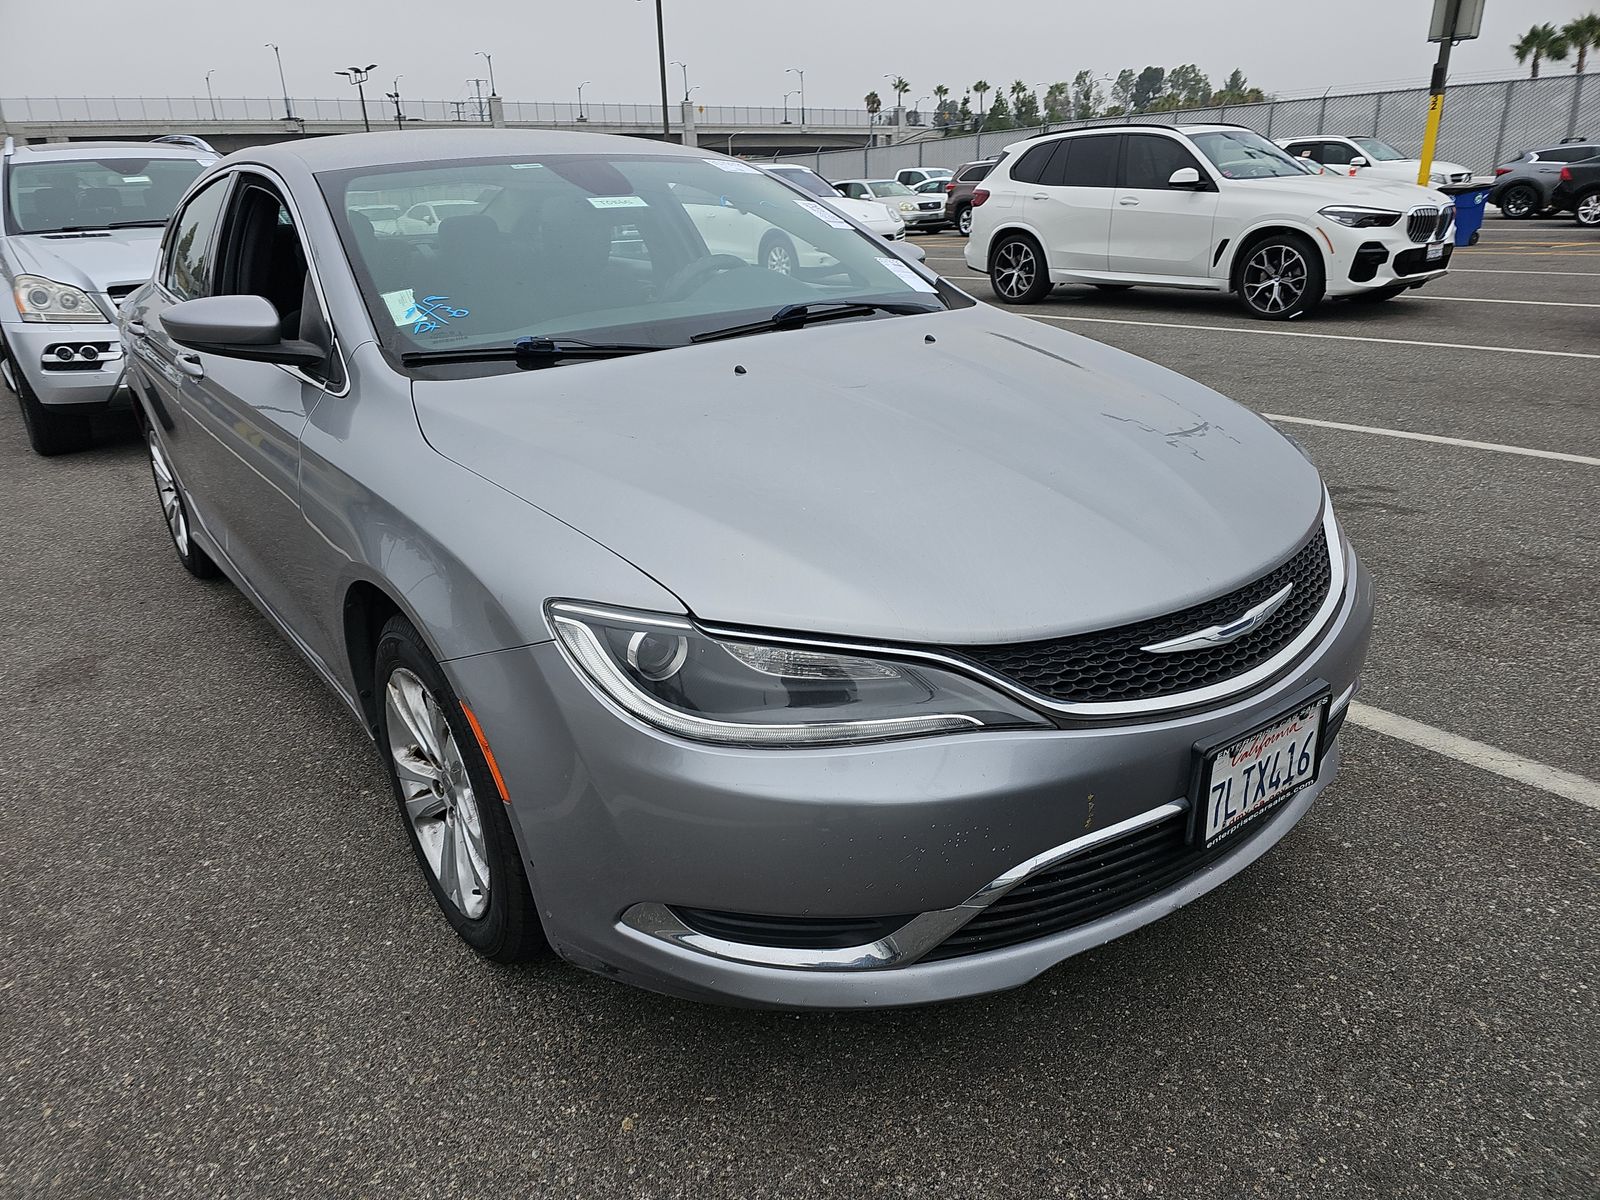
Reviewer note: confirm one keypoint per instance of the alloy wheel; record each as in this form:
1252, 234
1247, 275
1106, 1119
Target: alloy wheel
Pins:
779, 259
171, 502
1275, 278
1518, 203
964, 222
1589, 209
437, 794
1015, 267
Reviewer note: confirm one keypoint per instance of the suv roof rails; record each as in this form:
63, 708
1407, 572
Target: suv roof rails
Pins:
186, 139
1566, 141
11, 144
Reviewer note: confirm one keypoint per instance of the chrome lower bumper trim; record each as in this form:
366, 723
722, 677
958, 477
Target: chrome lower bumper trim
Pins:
905, 945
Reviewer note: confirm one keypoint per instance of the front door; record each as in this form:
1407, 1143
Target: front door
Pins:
1157, 229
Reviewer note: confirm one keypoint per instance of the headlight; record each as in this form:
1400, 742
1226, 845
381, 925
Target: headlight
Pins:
1358, 217
666, 672
1436, 177
40, 299
908, 206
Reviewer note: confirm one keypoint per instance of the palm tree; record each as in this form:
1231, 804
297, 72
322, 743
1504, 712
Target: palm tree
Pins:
874, 105
901, 87
979, 88
1582, 34
1540, 42
1018, 90
940, 94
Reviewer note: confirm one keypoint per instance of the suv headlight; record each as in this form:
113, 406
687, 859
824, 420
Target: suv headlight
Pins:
41, 299
668, 673
908, 206
1357, 217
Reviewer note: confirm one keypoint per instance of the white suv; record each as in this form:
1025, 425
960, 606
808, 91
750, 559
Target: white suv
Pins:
1209, 207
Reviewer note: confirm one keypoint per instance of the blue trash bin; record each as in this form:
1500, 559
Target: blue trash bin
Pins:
1469, 211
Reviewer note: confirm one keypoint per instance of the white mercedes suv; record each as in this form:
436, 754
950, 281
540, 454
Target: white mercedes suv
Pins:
1207, 207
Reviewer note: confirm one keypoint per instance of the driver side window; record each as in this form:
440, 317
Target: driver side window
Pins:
186, 272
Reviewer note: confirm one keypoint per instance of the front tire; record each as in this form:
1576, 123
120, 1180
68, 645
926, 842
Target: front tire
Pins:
1587, 211
1519, 202
778, 255
176, 513
449, 802
50, 432
1280, 278
1018, 271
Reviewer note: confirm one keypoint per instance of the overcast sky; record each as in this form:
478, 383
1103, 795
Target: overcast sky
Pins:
736, 49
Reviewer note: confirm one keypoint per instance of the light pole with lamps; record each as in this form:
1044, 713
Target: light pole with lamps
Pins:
581, 86
358, 76
489, 59
731, 136
209, 96
288, 113
802, 74
399, 114
786, 96
684, 67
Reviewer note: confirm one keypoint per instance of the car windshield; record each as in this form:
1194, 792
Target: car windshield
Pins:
1245, 154
94, 193
1377, 151
807, 179
649, 250
888, 187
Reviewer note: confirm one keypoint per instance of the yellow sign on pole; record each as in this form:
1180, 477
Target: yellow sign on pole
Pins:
1453, 21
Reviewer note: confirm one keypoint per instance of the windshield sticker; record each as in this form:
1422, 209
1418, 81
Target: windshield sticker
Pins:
526, 166
826, 213
729, 164
618, 202
907, 275
426, 315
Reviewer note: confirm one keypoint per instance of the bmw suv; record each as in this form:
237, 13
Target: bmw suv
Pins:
79, 226
1205, 207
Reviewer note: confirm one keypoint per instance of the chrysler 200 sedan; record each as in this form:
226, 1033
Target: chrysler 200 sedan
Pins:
698, 645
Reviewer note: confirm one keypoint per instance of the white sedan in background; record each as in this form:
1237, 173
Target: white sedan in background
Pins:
880, 218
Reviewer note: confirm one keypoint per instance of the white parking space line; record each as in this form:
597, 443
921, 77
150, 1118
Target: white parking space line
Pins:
1486, 300
1476, 754
1559, 456
1329, 337
1511, 271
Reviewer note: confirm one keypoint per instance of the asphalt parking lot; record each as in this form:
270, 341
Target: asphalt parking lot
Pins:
223, 976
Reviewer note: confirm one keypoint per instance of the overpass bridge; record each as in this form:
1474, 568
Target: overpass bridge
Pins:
233, 123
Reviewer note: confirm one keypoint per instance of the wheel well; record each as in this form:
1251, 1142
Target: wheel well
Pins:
367, 609
999, 237
1251, 240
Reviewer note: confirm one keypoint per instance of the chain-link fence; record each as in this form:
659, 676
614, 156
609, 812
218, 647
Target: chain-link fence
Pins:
1483, 125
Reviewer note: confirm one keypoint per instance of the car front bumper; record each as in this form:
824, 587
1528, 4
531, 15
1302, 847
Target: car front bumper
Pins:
80, 380
1362, 260
618, 820
922, 218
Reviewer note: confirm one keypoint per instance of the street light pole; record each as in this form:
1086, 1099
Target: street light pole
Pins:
581, 86
358, 76
489, 58
288, 113
399, 114
802, 74
786, 96
209, 96
685, 69
661, 54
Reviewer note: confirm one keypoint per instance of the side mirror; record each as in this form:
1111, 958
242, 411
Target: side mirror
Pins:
1358, 161
1185, 177
909, 251
245, 327
427, 218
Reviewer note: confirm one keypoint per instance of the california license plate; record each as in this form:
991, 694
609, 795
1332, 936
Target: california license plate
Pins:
1435, 251
1249, 774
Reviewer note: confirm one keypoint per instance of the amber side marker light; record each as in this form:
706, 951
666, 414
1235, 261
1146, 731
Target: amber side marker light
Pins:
488, 754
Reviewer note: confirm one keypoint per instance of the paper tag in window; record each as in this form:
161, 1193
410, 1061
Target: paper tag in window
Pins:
826, 213
618, 202
907, 275
401, 305
730, 164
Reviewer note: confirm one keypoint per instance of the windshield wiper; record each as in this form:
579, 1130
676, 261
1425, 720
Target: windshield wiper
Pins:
793, 316
529, 352
148, 223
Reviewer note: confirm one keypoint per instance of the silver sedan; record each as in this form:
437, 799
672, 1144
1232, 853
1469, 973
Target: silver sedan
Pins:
817, 637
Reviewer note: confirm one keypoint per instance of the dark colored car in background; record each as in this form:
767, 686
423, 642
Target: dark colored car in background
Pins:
958, 193
1578, 192
1522, 185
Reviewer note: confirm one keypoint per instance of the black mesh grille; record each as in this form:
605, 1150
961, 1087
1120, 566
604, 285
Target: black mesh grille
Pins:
1415, 261
1109, 666
1091, 886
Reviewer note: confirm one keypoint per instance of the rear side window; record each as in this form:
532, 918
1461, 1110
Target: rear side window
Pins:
1031, 166
1334, 154
1085, 162
974, 174
188, 264
1569, 154
1148, 160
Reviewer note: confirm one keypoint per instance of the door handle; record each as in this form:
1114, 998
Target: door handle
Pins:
1041, 196
189, 364
1130, 201
136, 328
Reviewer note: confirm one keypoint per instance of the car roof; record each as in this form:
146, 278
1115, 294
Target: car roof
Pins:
75, 150
421, 146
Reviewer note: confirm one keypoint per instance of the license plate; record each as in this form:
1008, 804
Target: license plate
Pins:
1435, 251
1251, 772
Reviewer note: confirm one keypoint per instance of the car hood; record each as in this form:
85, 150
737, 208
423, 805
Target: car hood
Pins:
962, 477
1361, 189
1410, 167
868, 212
93, 261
